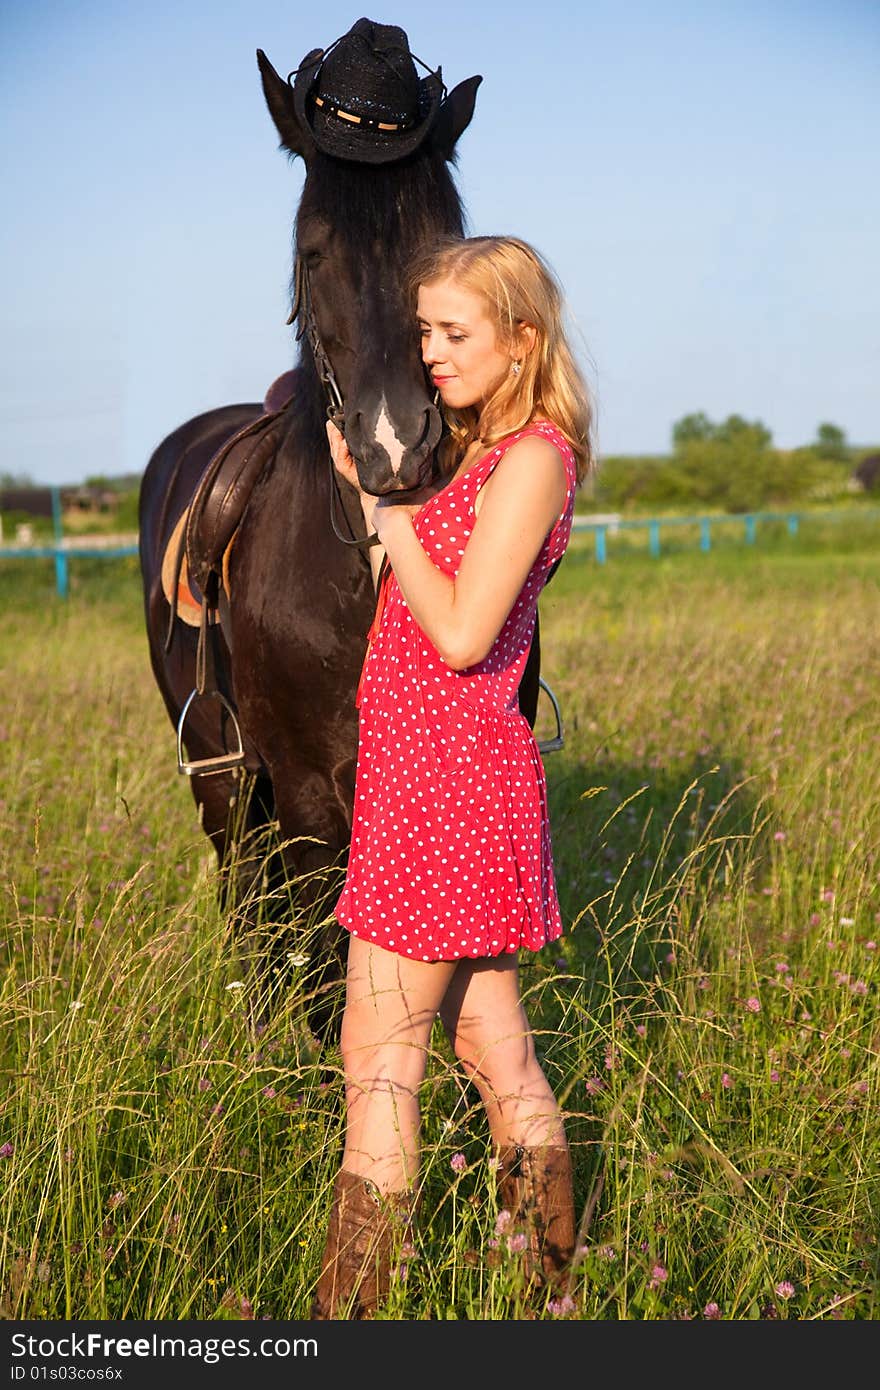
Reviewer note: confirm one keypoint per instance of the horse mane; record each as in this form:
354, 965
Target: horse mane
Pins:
400, 204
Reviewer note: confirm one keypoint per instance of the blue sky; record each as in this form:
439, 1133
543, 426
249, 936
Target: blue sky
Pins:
703, 177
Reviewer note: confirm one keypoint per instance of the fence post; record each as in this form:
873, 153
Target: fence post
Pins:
705, 533
792, 525
654, 537
750, 530
600, 544
61, 577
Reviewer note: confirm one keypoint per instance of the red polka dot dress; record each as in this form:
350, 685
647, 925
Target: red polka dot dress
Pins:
450, 854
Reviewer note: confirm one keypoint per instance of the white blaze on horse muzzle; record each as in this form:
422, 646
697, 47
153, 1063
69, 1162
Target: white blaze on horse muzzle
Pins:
386, 436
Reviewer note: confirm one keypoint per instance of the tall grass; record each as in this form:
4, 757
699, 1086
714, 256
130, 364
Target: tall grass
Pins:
709, 1018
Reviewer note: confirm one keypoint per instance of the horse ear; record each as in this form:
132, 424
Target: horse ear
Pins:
454, 116
279, 99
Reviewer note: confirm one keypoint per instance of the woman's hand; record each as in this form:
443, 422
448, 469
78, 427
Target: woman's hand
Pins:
388, 513
341, 455
347, 468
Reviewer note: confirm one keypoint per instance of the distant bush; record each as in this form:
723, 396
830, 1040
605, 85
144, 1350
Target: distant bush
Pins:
727, 467
625, 482
127, 511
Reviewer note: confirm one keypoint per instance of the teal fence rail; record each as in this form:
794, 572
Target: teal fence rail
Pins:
63, 549
746, 523
62, 554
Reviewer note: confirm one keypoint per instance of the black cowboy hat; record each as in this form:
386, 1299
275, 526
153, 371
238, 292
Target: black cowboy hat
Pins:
362, 98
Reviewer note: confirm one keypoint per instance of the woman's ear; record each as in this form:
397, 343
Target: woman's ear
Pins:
524, 340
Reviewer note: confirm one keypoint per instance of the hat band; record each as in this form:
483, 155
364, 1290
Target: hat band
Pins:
360, 120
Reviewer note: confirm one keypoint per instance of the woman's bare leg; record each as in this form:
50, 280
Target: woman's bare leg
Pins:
486, 1023
390, 1006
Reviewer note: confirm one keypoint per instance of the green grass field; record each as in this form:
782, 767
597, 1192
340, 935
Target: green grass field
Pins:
708, 1019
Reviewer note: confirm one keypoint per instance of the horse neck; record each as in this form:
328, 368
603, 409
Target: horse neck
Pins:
306, 435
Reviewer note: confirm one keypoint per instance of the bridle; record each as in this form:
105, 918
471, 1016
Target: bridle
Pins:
303, 310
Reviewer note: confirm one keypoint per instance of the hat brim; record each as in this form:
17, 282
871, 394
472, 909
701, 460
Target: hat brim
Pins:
362, 144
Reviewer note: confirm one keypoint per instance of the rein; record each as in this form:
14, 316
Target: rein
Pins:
308, 325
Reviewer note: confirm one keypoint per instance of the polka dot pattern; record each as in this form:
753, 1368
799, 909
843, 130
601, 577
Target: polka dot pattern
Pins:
450, 853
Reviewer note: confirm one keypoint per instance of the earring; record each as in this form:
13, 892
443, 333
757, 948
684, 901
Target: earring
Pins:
516, 368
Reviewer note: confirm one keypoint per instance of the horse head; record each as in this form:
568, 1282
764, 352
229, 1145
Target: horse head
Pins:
358, 225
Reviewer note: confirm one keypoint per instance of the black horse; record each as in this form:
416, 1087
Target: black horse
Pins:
289, 650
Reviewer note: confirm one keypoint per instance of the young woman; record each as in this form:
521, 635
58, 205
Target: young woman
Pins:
450, 872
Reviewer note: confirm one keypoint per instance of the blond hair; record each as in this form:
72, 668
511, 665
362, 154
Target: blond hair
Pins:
518, 289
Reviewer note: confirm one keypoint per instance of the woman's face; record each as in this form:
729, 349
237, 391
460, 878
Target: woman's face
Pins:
459, 346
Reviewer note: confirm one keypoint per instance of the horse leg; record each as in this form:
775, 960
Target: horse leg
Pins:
316, 878
311, 861
235, 811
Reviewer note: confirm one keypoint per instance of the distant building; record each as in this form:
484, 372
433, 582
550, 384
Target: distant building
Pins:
35, 501
89, 498
867, 473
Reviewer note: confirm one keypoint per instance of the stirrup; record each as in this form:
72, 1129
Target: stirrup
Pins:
206, 767
550, 745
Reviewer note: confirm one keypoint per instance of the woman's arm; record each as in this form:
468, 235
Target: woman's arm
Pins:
462, 616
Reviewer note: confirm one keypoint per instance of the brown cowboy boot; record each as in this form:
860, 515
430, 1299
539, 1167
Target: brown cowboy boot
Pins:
535, 1186
365, 1232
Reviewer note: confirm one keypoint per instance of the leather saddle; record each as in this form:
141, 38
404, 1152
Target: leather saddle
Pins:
195, 567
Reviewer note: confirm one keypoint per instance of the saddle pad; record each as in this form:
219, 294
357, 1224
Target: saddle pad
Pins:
189, 595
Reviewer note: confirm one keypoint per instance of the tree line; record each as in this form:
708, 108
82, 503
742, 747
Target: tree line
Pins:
730, 466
